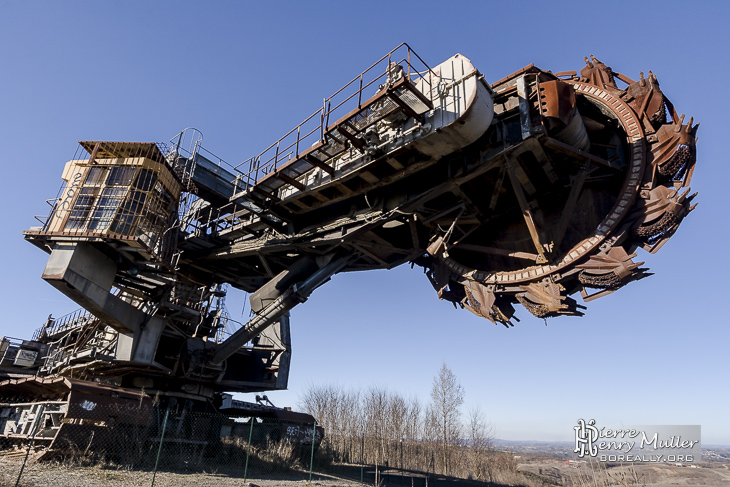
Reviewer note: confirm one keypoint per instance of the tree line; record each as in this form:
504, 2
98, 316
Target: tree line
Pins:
381, 427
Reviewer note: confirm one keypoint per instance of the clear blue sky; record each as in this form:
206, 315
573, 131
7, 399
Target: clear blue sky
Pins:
244, 73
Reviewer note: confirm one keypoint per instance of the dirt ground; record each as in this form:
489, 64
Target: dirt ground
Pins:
38, 475
649, 475
556, 471
45, 474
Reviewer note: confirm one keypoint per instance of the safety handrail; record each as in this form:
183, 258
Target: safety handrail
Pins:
285, 150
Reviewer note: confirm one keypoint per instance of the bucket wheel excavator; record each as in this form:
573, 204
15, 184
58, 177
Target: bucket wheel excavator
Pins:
529, 190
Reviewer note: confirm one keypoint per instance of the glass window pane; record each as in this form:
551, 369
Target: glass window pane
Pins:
96, 175
120, 176
145, 180
82, 207
106, 207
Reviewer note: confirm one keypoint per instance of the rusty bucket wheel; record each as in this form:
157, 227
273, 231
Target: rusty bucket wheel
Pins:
543, 284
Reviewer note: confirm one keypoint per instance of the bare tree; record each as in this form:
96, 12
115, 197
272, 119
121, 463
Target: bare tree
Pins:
447, 396
351, 420
315, 401
376, 420
383, 428
480, 446
414, 430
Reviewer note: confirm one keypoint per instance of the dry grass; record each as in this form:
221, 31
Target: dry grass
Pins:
281, 455
56, 475
597, 475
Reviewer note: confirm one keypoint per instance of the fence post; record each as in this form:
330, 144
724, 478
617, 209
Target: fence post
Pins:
248, 448
30, 445
401, 453
401, 461
159, 448
433, 468
311, 457
362, 458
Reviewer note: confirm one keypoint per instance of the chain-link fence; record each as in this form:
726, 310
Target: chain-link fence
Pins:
41, 445
163, 440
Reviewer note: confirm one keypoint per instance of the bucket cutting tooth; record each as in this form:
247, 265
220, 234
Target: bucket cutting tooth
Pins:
547, 300
611, 270
483, 302
674, 152
662, 214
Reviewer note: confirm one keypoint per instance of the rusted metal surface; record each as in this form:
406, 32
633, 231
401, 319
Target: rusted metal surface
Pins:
658, 159
64, 413
275, 423
531, 191
116, 191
